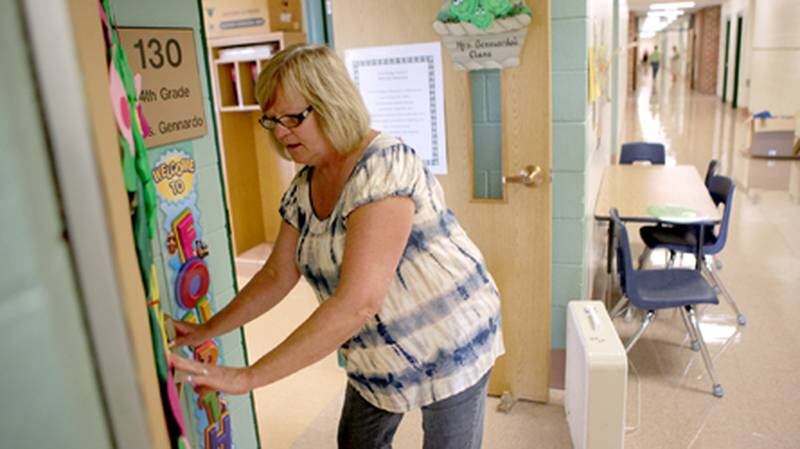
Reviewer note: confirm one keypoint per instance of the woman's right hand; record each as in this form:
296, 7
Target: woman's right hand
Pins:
189, 334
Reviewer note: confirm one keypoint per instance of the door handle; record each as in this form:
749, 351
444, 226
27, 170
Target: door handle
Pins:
530, 176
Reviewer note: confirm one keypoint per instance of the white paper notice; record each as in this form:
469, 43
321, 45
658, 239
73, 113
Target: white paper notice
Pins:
403, 89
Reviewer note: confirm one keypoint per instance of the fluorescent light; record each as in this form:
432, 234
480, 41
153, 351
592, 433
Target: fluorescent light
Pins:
672, 5
656, 21
663, 15
666, 12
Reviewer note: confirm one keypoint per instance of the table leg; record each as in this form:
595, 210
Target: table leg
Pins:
698, 265
609, 264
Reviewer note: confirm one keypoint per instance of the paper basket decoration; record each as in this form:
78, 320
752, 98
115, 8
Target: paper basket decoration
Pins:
483, 34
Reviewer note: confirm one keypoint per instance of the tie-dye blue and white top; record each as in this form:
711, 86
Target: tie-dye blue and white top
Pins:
438, 329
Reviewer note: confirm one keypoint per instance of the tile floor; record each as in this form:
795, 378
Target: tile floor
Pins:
669, 402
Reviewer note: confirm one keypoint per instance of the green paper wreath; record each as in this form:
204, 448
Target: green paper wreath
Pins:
481, 13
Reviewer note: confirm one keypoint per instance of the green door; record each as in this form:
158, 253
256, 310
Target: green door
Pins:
725, 63
50, 391
735, 102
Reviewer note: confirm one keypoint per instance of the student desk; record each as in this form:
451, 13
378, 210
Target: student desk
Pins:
654, 194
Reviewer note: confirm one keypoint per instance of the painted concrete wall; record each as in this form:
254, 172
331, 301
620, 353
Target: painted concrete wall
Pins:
582, 139
775, 57
48, 386
570, 28
619, 72
770, 54
213, 220
599, 152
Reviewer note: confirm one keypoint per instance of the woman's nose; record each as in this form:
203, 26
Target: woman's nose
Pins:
280, 131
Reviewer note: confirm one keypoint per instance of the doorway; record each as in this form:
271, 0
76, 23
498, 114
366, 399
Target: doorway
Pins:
514, 234
319, 21
735, 101
725, 63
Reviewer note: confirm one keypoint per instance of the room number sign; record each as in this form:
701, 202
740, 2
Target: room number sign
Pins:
170, 93
157, 49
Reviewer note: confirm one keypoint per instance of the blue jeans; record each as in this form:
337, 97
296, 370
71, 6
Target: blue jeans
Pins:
452, 423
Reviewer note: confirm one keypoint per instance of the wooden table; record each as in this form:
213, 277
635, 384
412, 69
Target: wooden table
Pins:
635, 190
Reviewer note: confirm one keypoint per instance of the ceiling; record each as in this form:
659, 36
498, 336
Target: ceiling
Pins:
641, 6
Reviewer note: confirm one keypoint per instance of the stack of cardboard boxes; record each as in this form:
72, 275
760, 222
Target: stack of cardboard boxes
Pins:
229, 18
773, 137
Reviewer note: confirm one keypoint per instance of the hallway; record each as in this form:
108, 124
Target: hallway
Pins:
669, 402
756, 363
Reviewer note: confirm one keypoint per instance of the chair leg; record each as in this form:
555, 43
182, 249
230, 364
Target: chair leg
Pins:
618, 307
644, 256
648, 319
670, 262
628, 313
718, 392
609, 287
720, 287
694, 345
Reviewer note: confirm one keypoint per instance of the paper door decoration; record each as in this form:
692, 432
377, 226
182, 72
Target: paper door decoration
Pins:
483, 34
190, 293
185, 252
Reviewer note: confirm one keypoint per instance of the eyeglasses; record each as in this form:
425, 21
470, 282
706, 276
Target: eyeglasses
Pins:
288, 120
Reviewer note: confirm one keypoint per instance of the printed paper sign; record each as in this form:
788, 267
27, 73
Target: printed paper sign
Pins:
403, 89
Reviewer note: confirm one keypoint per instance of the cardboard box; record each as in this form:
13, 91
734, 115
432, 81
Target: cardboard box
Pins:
285, 15
229, 18
772, 137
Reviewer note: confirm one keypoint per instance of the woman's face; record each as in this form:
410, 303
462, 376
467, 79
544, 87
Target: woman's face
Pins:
305, 143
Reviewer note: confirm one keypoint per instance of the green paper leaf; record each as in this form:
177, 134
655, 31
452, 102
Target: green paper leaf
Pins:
482, 19
128, 166
158, 348
482, 13
497, 8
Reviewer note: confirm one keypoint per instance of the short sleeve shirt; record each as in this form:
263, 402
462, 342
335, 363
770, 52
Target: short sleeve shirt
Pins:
438, 330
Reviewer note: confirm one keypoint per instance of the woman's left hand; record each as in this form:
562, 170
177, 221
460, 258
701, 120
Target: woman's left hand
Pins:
212, 377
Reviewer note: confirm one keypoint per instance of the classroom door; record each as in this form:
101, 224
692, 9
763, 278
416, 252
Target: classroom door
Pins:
725, 63
737, 62
514, 234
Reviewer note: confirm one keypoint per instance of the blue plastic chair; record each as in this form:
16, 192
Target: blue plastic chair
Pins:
652, 290
677, 229
643, 151
713, 165
683, 239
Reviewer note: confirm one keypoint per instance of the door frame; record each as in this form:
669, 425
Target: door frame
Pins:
725, 61
738, 61
61, 84
319, 21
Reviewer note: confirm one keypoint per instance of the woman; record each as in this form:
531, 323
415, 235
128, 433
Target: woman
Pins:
675, 63
404, 295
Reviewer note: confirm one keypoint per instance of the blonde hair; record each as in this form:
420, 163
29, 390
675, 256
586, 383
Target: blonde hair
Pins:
316, 73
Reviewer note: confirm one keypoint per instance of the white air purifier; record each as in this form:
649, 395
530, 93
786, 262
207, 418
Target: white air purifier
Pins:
596, 378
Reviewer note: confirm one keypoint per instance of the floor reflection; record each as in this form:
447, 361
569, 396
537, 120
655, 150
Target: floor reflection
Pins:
696, 128
669, 400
